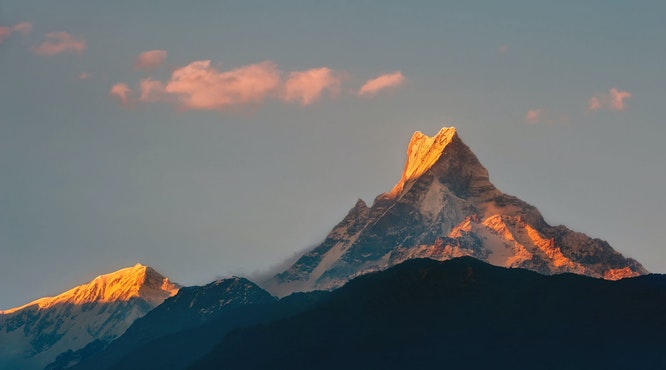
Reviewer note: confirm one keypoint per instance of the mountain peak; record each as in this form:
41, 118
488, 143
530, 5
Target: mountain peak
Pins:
423, 152
445, 206
138, 281
101, 309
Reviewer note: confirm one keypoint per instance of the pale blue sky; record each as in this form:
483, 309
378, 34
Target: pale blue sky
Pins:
89, 186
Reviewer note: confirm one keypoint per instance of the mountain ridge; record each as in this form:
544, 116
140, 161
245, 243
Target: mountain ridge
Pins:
145, 280
462, 313
445, 206
190, 307
101, 309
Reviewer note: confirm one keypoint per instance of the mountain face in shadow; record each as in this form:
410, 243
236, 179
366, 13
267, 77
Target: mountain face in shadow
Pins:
180, 350
463, 313
444, 206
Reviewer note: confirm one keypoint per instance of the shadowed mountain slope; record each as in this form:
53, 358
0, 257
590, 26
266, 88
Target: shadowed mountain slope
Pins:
463, 313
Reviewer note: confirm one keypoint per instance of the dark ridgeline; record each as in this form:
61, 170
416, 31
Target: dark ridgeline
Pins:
463, 314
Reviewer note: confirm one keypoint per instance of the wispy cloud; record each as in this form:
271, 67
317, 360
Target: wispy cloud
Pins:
594, 103
503, 49
385, 81
533, 116
60, 42
22, 28
121, 92
151, 90
201, 86
151, 59
198, 85
4, 33
617, 98
613, 100
305, 87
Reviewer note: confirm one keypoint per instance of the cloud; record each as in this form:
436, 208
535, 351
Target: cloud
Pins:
307, 86
594, 103
533, 116
121, 92
503, 49
60, 42
84, 76
151, 90
23, 28
152, 59
617, 99
4, 33
200, 86
613, 100
385, 81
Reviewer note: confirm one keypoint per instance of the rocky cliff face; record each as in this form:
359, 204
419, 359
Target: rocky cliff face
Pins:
34, 334
445, 206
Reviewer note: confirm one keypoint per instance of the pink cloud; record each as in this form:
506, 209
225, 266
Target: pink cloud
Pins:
200, 86
60, 42
617, 99
503, 49
121, 92
152, 59
533, 116
4, 33
84, 76
594, 104
23, 28
613, 100
151, 90
385, 81
307, 86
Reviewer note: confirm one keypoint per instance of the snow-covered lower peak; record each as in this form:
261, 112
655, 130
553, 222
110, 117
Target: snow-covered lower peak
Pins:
33, 334
138, 281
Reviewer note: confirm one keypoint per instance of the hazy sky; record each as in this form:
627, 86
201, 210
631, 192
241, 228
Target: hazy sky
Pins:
221, 137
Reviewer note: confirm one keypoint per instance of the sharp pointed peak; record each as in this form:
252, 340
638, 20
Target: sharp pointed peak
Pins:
442, 133
423, 152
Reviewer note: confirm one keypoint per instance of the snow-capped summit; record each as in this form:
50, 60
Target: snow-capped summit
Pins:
445, 206
101, 309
